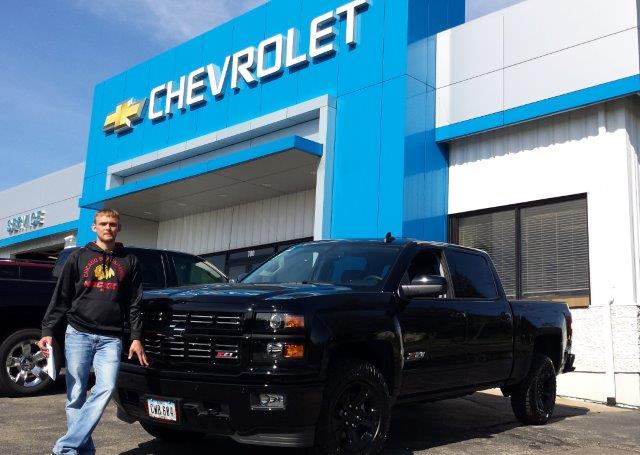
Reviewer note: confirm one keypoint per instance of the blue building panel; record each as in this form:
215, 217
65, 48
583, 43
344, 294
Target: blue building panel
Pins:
385, 172
213, 115
282, 89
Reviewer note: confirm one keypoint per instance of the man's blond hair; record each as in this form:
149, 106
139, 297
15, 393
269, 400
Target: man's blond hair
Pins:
111, 213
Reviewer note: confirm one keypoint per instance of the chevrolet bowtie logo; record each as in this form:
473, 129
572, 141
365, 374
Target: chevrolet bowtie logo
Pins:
122, 119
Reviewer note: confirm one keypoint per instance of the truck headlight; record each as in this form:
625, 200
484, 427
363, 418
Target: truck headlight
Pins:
278, 322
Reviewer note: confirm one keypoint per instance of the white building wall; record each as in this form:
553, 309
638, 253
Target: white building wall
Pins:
532, 51
138, 232
257, 223
588, 151
56, 193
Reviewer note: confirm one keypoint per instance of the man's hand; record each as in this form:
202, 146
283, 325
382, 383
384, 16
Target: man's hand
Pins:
44, 344
137, 349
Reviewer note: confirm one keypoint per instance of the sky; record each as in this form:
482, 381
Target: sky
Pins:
52, 54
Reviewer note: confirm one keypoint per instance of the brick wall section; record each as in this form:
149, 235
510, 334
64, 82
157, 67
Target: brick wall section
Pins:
589, 338
626, 338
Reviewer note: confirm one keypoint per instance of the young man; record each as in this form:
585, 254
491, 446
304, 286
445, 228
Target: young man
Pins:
98, 290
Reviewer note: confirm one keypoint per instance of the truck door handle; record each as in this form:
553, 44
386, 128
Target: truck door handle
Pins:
459, 314
506, 317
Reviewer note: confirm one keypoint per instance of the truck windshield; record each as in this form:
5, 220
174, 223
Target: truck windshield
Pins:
359, 266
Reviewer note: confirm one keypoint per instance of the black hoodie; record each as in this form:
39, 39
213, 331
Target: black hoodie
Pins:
97, 291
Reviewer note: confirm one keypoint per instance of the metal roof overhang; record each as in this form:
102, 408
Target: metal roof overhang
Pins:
284, 166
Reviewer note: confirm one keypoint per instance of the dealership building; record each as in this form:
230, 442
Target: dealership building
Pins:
517, 133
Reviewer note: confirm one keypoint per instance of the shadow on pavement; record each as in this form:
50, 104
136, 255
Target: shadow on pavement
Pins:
478, 416
58, 387
413, 428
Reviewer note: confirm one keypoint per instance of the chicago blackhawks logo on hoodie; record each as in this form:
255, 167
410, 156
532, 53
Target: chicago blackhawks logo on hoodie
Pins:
103, 273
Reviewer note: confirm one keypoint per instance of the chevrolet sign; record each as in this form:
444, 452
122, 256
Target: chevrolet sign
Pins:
253, 65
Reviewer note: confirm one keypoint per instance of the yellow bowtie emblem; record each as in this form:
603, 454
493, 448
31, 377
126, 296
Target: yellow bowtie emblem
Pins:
125, 114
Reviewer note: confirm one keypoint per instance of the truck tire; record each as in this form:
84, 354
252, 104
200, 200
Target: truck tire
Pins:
534, 399
23, 364
170, 434
356, 412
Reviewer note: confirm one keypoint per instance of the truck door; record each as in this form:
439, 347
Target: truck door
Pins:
489, 336
433, 334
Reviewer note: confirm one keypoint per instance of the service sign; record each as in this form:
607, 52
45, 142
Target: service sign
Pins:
26, 222
253, 65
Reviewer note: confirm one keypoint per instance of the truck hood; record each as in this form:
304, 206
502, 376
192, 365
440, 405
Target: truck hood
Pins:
239, 292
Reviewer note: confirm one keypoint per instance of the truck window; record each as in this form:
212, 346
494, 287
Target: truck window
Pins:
471, 276
62, 259
193, 270
425, 263
152, 269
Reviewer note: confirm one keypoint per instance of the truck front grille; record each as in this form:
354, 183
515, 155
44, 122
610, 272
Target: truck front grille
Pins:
178, 349
218, 321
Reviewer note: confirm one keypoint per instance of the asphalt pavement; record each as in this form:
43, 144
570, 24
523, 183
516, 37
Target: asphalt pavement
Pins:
478, 424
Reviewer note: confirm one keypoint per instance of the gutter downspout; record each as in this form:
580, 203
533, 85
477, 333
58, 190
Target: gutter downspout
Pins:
610, 374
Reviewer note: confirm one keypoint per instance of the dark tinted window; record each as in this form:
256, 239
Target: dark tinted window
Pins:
193, 270
62, 259
8, 271
36, 273
471, 275
152, 269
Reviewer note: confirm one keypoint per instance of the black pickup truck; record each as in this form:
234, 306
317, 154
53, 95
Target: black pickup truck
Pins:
26, 288
315, 346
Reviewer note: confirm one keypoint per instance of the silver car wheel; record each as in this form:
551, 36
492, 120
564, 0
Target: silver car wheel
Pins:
26, 364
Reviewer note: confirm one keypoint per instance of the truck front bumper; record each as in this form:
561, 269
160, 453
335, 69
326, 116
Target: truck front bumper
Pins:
224, 408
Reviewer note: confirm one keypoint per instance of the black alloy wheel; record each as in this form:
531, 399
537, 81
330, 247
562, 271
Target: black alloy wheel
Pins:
357, 419
24, 364
534, 400
356, 412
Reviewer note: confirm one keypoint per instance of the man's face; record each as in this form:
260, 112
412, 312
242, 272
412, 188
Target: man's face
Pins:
106, 228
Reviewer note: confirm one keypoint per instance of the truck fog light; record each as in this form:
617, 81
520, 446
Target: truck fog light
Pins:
268, 401
275, 350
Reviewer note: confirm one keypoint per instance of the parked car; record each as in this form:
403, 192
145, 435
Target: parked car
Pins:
315, 346
26, 288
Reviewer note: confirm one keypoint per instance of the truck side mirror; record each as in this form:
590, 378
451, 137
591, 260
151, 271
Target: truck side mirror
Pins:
424, 286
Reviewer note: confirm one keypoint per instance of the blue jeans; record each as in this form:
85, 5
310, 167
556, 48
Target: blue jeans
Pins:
83, 350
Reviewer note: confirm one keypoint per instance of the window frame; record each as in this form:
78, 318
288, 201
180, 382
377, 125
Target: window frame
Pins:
454, 222
276, 246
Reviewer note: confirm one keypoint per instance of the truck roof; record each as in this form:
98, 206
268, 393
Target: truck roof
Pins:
398, 242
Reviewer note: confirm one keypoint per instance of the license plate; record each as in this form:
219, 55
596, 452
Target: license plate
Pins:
162, 409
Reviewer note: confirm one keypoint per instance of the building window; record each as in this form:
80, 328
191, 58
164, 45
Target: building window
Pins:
540, 250
235, 263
